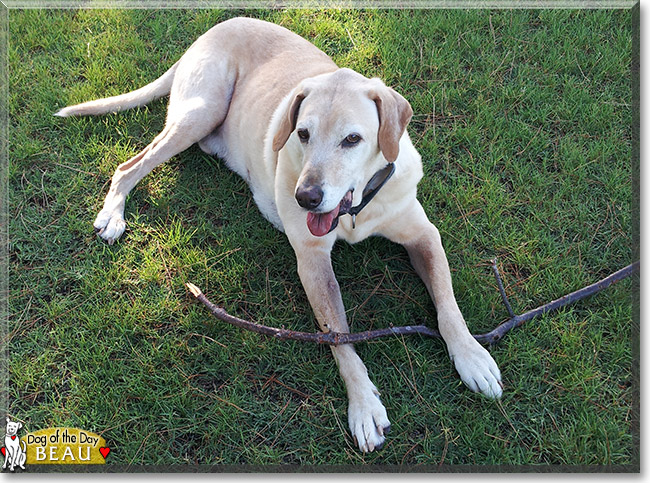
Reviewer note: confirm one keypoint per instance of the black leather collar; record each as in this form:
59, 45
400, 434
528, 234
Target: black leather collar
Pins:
377, 182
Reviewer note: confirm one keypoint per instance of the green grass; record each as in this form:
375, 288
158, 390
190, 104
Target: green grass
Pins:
524, 122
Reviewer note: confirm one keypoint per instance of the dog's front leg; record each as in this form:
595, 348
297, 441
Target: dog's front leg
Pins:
366, 414
421, 239
11, 456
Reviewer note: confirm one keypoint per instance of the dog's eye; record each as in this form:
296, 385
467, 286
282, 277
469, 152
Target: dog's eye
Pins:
351, 140
303, 135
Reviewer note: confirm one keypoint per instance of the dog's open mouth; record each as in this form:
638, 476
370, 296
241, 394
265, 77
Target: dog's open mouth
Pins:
320, 224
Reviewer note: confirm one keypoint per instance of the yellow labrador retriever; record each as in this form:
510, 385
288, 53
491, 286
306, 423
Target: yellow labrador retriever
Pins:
326, 155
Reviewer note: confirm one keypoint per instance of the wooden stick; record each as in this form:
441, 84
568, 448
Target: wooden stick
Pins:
516, 321
330, 338
337, 338
502, 291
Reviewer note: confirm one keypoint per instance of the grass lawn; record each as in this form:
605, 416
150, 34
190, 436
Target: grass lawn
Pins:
524, 120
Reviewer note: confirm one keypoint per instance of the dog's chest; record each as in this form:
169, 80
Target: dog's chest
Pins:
364, 227
11, 440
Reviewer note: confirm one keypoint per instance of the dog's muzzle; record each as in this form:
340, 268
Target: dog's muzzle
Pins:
320, 224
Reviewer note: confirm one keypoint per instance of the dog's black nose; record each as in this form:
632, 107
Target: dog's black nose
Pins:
309, 197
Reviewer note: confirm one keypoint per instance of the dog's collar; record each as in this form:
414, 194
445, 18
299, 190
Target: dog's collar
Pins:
377, 181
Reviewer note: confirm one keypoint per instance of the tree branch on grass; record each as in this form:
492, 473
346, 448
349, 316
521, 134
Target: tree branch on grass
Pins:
337, 338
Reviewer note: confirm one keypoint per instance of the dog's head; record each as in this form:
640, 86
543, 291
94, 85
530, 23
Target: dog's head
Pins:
346, 128
13, 427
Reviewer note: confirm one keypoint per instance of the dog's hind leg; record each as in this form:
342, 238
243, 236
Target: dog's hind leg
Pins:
199, 100
182, 129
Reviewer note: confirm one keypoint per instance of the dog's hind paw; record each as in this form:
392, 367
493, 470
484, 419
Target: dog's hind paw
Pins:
109, 225
368, 422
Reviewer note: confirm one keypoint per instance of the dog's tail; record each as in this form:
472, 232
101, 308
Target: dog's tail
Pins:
24, 445
158, 88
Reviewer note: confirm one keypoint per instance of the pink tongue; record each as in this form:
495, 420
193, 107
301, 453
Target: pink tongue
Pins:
319, 224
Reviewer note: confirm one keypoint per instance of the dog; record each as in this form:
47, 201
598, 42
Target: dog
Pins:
326, 154
14, 454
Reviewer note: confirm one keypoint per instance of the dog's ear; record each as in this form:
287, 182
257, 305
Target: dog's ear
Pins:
288, 122
394, 114
20, 425
8, 420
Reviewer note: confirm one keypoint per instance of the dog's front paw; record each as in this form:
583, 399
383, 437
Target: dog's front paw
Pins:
477, 368
368, 421
110, 225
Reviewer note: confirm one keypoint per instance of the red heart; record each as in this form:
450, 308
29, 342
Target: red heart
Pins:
4, 451
104, 451
13, 437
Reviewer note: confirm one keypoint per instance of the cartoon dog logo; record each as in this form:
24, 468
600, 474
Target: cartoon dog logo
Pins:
14, 454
